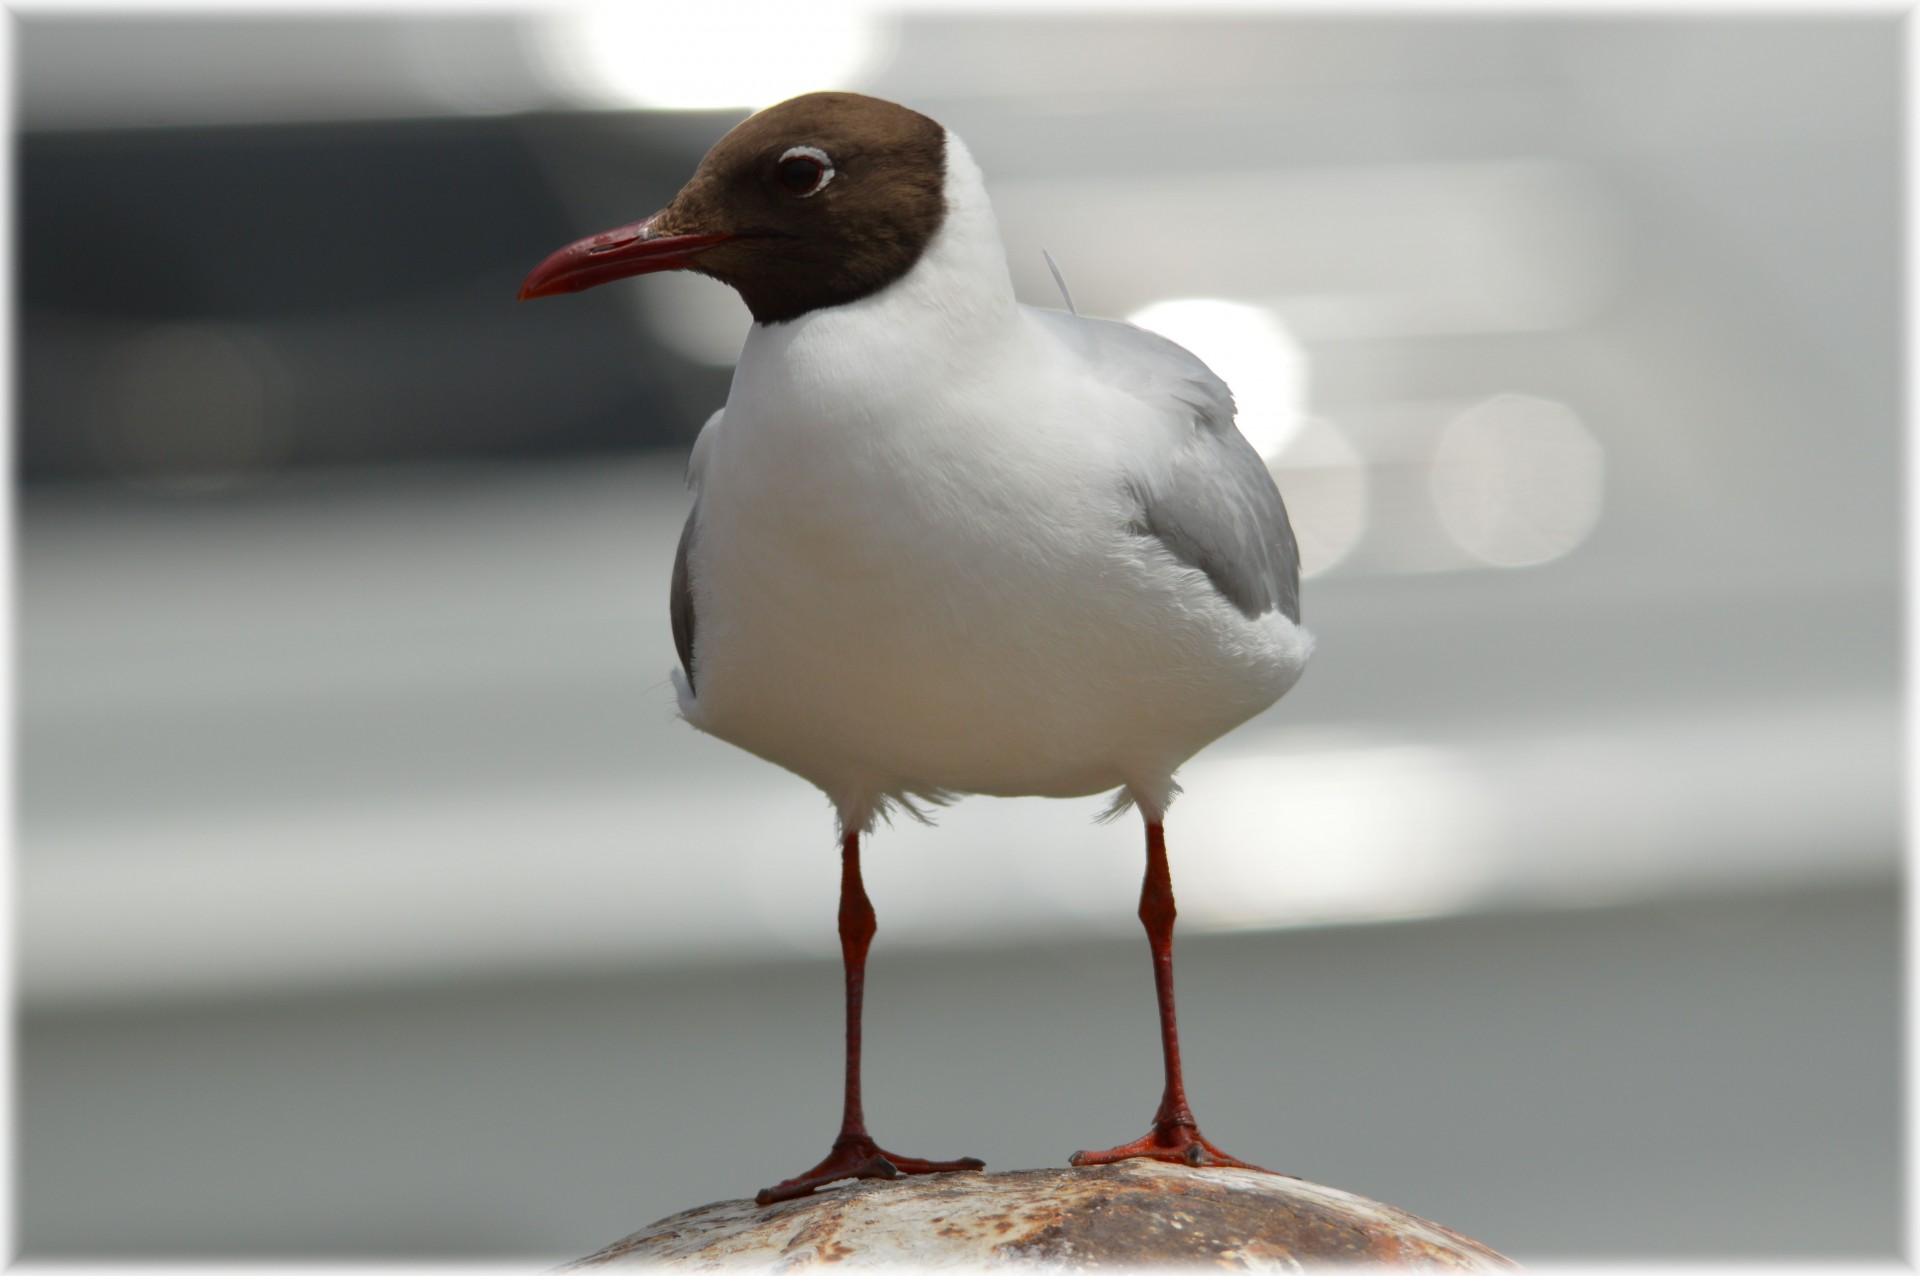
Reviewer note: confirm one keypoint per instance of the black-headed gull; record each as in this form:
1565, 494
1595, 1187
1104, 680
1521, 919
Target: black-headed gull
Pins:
945, 543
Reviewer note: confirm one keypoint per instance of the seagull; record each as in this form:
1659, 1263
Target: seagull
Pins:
944, 543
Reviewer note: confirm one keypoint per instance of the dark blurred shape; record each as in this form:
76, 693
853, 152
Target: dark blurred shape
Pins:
207, 303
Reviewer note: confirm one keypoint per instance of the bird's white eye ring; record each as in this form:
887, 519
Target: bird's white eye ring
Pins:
804, 170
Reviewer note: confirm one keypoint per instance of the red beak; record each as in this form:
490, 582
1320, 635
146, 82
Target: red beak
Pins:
614, 254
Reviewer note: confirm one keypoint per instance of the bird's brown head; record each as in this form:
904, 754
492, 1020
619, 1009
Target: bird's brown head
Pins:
816, 202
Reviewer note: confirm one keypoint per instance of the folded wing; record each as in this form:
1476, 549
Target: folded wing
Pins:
680, 588
1207, 497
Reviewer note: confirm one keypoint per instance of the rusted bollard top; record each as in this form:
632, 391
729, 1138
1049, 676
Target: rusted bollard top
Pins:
1134, 1214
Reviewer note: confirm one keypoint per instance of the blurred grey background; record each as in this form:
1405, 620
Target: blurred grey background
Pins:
371, 902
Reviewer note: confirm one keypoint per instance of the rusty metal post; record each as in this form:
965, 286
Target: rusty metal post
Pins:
1136, 1214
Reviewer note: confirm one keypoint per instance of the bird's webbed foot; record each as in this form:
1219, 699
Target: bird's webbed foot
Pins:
859, 1157
1177, 1140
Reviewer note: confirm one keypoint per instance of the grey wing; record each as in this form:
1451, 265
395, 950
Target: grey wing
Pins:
680, 598
1217, 509
1210, 500
680, 590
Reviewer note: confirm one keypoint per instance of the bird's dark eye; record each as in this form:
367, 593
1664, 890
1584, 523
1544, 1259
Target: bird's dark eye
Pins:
804, 170
800, 174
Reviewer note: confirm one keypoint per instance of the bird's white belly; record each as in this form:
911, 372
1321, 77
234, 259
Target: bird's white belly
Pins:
866, 621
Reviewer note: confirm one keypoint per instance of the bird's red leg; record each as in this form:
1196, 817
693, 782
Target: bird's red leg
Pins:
855, 1155
1175, 1136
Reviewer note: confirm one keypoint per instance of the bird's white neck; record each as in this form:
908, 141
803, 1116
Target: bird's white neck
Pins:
965, 267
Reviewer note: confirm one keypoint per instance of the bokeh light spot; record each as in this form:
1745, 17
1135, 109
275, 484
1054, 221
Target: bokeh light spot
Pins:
1517, 480
719, 55
1248, 348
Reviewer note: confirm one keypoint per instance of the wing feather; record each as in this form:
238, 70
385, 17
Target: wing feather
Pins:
680, 598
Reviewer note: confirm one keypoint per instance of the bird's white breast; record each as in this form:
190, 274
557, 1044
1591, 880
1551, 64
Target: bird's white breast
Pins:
912, 569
